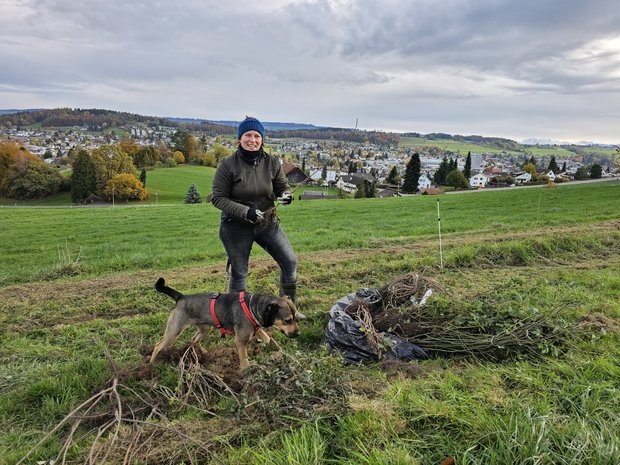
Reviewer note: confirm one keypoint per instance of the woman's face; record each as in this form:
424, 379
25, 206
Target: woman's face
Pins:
251, 141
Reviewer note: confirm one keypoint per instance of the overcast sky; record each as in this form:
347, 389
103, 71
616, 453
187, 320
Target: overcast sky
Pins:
516, 69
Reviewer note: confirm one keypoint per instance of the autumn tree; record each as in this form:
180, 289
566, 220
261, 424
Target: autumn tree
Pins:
185, 142
129, 146
110, 160
531, 168
25, 176
30, 178
146, 156
178, 157
124, 186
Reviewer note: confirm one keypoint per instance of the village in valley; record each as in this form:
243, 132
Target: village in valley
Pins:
334, 167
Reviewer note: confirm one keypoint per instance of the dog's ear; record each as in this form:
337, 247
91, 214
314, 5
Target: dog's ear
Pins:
269, 317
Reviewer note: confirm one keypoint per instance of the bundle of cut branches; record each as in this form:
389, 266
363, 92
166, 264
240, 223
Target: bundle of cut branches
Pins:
452, 331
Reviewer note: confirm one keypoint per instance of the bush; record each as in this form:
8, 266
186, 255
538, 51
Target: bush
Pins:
178, 157
169, 163
457, 179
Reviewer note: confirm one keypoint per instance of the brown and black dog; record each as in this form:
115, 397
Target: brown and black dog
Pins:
195, 309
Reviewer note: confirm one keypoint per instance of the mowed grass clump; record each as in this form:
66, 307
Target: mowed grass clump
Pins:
62, 341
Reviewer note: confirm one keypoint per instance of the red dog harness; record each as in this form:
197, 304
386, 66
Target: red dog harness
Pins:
245, 308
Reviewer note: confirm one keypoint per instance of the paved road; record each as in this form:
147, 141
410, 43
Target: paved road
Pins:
572, 183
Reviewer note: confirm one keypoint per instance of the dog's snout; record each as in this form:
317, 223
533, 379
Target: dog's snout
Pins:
293, 334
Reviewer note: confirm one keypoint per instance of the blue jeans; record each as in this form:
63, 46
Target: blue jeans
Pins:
238, 239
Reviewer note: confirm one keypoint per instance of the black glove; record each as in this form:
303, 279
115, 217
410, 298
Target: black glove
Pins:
254, 216
286, 198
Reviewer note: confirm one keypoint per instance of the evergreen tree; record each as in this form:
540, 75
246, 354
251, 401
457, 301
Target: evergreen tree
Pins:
532, 160
442, 172
467, 168
371, 189
324, 172
303, 165
564, 168
84, 177
553, 166
143, 177
596, 172
392, 177
412, 174
360, 193
192, 195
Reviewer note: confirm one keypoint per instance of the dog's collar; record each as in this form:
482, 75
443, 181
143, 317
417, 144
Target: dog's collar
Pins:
248, 312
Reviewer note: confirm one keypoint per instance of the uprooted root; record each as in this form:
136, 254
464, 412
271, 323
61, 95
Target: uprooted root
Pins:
405, 289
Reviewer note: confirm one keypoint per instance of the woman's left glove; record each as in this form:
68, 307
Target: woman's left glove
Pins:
286, 198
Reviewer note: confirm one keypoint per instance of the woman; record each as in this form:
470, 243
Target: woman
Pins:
245, 188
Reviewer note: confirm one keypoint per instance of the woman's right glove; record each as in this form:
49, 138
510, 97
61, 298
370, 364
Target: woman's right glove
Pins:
286, 198
254, 216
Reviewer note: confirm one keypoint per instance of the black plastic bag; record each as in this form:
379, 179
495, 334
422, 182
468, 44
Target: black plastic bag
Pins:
344, 335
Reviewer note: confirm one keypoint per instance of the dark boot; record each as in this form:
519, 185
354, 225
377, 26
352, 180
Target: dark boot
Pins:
290, 290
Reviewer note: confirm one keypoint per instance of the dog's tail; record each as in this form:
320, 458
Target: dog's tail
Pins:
160, 285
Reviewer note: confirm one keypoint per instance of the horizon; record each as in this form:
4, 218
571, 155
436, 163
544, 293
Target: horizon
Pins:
527, 141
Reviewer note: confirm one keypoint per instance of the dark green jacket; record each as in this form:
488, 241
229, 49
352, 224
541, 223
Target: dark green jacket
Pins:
239, 185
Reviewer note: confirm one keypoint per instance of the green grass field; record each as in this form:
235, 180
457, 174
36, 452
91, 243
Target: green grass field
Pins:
78, 309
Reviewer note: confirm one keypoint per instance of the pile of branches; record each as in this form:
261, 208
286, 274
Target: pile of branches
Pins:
125, 424
133, 420
449, 329
288, 389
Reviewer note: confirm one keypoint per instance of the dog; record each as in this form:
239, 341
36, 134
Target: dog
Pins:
243, 315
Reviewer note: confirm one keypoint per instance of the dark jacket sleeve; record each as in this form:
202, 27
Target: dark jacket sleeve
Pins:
222, 188
280, 183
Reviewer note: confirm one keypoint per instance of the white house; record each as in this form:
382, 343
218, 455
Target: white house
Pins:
550, 174
478, 180
424, 182
523, 178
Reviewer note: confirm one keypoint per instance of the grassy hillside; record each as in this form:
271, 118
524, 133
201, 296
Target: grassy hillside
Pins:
171, 184
165, 186
78, 309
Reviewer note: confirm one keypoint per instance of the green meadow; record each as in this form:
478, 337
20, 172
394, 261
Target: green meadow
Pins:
78, 314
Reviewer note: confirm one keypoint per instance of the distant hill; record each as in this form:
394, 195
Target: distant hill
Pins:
29, 110
269, 125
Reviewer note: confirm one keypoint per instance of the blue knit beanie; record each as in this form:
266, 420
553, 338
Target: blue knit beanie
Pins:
250, 124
